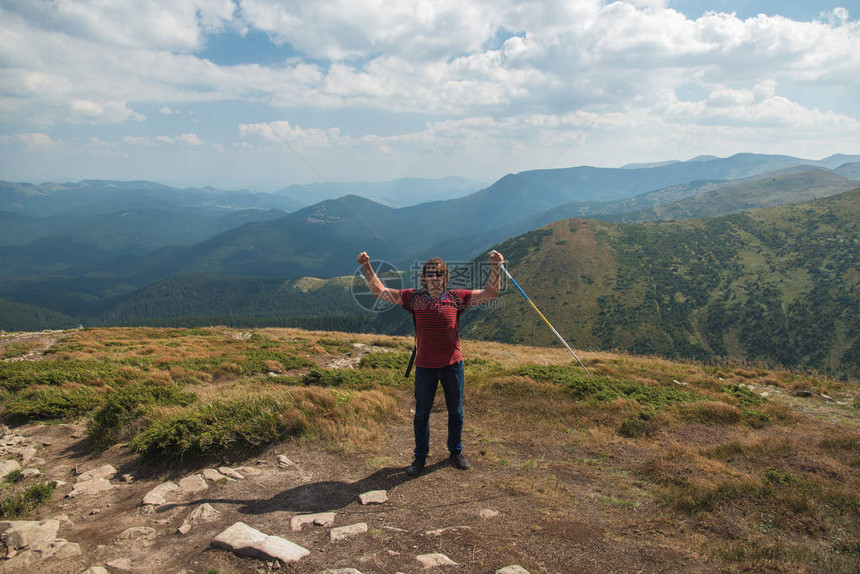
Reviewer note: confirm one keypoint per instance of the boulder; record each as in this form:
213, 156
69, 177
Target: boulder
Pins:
344, 532
243, 540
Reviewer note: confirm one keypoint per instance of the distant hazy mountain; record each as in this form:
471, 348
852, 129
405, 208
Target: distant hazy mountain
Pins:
98, 197
699, 198
396, 193
849, 170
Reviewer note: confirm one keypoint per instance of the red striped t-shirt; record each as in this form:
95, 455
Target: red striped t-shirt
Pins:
436, 325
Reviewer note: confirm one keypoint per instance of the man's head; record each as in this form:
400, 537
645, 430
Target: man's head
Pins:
434, 273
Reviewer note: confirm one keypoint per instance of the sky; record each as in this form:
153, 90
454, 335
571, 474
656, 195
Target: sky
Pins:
262, 94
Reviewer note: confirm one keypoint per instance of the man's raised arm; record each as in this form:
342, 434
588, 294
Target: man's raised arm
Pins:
491, 291
375, 283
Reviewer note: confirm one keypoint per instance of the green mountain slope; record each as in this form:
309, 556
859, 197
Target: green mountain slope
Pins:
20, 317
777, 285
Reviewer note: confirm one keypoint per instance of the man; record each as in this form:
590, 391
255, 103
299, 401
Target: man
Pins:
436, 310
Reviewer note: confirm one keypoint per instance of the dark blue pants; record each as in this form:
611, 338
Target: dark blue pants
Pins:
453, 380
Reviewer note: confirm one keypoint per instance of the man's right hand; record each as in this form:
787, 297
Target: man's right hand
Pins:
363, 258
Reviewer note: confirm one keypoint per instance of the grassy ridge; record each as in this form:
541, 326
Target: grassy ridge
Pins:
176, 394
748, 467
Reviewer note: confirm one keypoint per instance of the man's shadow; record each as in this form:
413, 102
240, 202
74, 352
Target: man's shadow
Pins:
317, 497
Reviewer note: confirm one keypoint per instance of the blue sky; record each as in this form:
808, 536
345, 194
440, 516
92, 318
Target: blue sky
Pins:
262, 94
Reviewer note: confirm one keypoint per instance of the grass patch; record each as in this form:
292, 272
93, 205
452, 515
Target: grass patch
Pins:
14, 350
51, 404
115, 419
11, 477
251, 420
711, 412
643, 424
21, 504
604, 389
395, 361
354, 378
19, 375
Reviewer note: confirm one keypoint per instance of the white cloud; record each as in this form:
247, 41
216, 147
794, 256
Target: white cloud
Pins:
31, 141
176, 25
189, 139
283, 132
522, 75
111, 112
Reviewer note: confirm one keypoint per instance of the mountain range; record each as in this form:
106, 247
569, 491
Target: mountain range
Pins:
197, 260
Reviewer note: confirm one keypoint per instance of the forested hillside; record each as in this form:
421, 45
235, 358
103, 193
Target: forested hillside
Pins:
777, 285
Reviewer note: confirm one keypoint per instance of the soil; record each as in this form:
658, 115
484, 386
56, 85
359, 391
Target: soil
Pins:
496, 514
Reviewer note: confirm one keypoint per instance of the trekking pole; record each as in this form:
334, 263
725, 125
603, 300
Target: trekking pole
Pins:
560, 338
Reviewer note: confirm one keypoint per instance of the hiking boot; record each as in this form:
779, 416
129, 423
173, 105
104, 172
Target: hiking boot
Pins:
417, 466
457, 460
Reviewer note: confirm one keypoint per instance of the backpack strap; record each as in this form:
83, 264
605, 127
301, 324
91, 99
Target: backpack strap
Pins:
414, 335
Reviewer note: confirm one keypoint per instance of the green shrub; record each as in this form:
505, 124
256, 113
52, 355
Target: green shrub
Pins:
57, 404
16, 505
353, 378
220, 426
640, 425
123, 406
745, 396
397, 361
256, 361
603, 389
249, 421
12, 476
18, 375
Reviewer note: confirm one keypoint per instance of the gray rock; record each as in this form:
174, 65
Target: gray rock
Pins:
320, 519
158, 495
63, 549
214, 475
95, 570
513, 569
339, 571
7, 466
344, 532
284, 462
434, 560
104, 471
193, 483
28, 453
374, 497
243, 540
93, 486
488, 513
230, 473
29, 534
29, 473
203, 513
